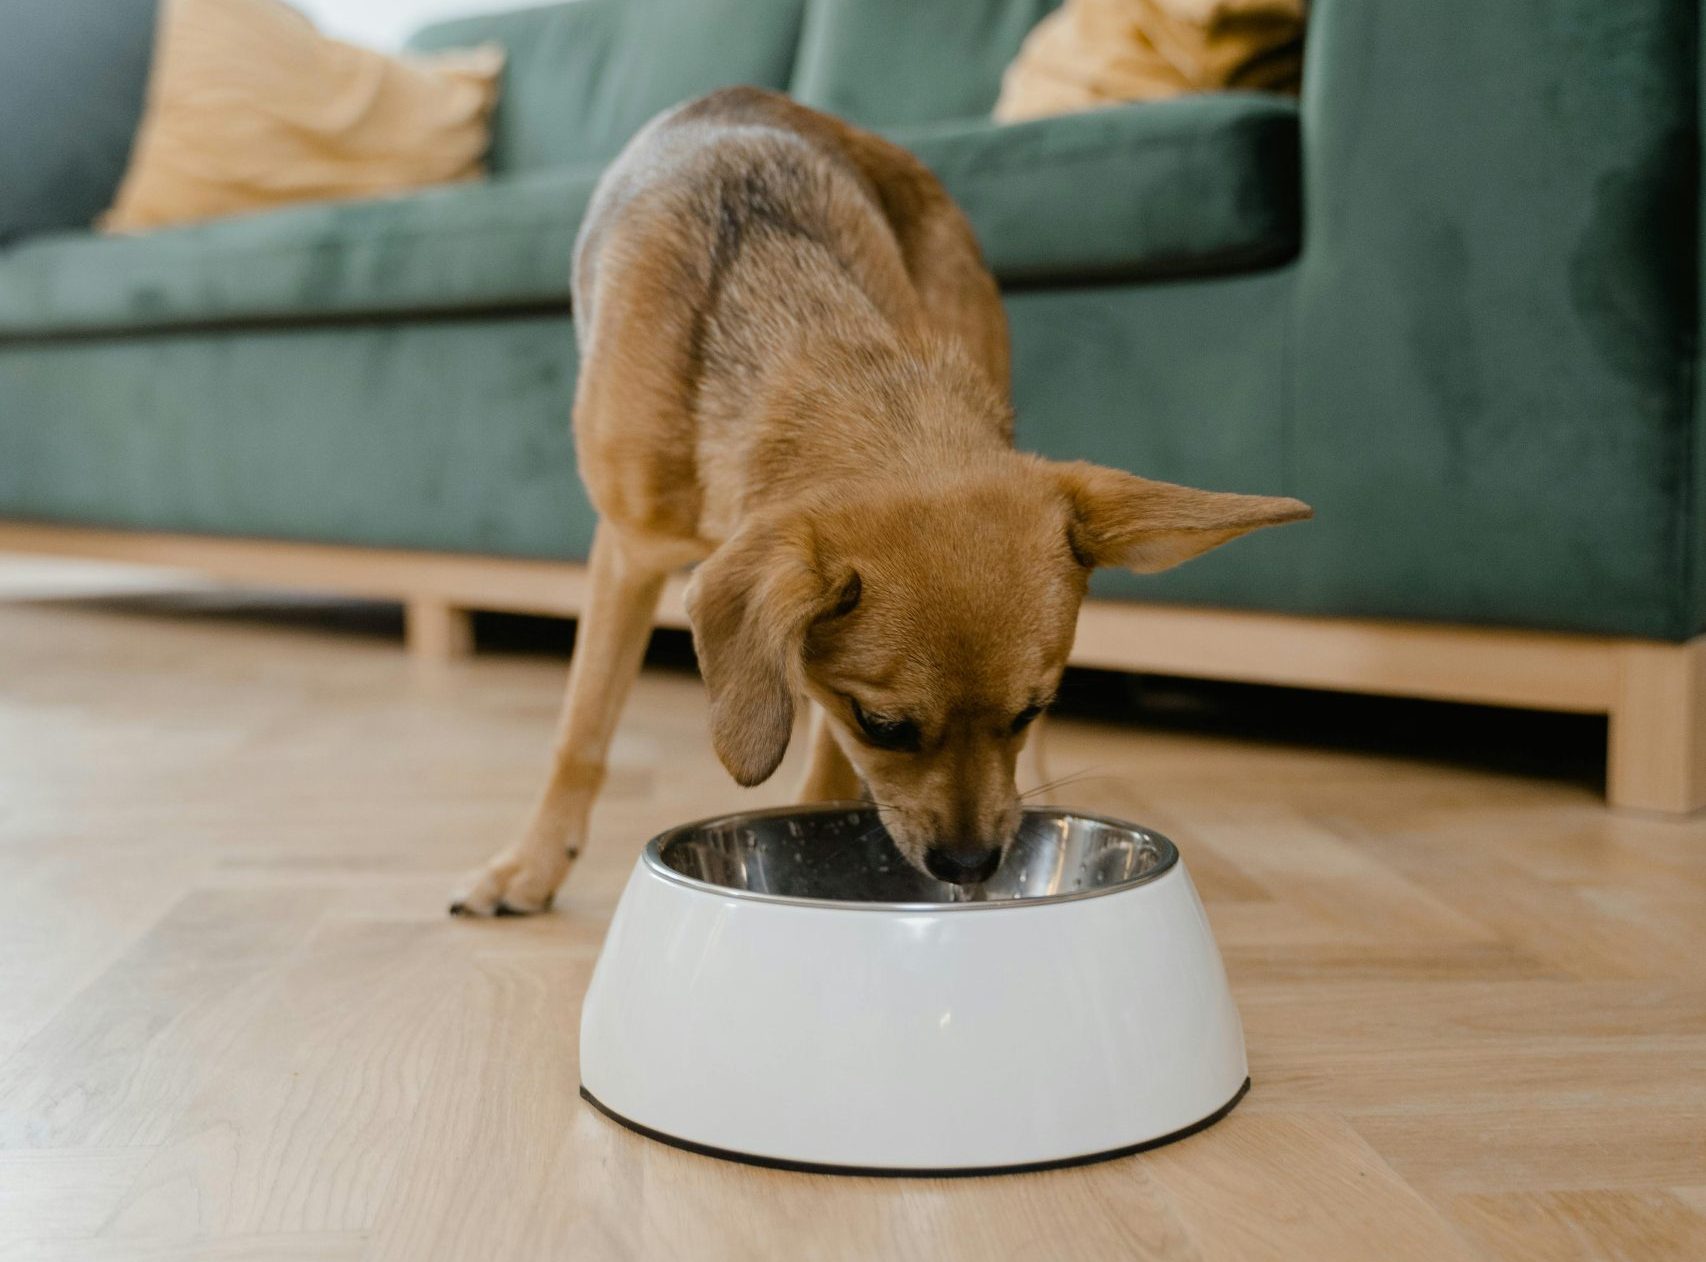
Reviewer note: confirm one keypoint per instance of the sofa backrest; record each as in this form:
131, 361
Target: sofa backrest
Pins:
582, 77
887, 62
1499, 296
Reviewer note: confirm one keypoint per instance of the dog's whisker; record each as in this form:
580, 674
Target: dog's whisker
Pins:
1059, 782
896, 807
863, 837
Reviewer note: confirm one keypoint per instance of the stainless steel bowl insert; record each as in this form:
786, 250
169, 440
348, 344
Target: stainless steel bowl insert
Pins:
839, 854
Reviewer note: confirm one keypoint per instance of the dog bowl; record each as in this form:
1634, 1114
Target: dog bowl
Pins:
782, 988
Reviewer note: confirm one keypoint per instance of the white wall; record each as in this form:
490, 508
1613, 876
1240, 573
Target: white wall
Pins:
387, 23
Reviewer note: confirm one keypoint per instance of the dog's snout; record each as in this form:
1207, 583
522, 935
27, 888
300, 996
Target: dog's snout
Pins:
962, 865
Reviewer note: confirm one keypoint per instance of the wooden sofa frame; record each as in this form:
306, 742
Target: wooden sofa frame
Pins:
1653, 693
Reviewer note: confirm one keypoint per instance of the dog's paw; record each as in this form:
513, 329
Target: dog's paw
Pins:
511, 885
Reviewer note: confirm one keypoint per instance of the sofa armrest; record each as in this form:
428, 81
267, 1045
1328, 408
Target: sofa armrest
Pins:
1494, 389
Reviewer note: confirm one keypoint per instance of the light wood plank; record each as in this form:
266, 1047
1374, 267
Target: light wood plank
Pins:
335, 1061
1600, 1140
482, 1157
318, 1246
61, 1194
1286, 1186
119, 1061
1583, 1226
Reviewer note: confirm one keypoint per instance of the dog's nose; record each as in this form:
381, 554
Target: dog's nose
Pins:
962, 865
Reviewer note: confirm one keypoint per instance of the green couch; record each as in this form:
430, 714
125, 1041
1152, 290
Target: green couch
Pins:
1450, 298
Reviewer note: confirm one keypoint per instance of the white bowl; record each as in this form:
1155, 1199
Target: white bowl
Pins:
782, 988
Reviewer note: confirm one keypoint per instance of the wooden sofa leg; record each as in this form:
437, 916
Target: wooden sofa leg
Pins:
436, 631
1658, 728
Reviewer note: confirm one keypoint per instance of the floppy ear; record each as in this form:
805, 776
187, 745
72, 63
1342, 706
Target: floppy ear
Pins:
1124, 520
750, 603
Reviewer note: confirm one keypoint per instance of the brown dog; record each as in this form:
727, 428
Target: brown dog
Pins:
794, 369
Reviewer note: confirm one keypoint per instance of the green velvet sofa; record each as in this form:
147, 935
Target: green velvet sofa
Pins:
1450, 298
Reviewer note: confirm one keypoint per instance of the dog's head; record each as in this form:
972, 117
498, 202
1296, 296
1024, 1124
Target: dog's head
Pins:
931, 618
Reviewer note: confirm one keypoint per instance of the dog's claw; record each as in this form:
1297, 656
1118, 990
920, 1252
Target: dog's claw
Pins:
511, 885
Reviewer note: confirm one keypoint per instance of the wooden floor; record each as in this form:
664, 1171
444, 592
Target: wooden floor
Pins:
235, 1022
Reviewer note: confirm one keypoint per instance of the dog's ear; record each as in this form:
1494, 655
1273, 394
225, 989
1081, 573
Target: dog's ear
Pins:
750, 603
1121, 519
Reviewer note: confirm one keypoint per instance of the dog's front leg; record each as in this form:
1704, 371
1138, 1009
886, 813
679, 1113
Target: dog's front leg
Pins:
610, 643
829, 776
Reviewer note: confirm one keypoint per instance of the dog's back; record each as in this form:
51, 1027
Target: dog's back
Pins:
730, 230
742, 165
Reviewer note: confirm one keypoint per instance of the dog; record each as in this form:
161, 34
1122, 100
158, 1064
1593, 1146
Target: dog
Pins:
795, 374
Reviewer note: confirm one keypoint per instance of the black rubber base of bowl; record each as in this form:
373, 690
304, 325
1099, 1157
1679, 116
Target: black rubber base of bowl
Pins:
890, 1172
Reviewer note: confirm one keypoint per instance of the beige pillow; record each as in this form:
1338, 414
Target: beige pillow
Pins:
1091, 53
250, 107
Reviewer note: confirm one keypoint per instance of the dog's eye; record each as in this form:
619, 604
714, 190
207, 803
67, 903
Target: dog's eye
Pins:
896, 734
1025, 717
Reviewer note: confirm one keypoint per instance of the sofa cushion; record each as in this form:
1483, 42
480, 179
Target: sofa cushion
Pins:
1199, 184
503, 243
884, 62
583, 77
